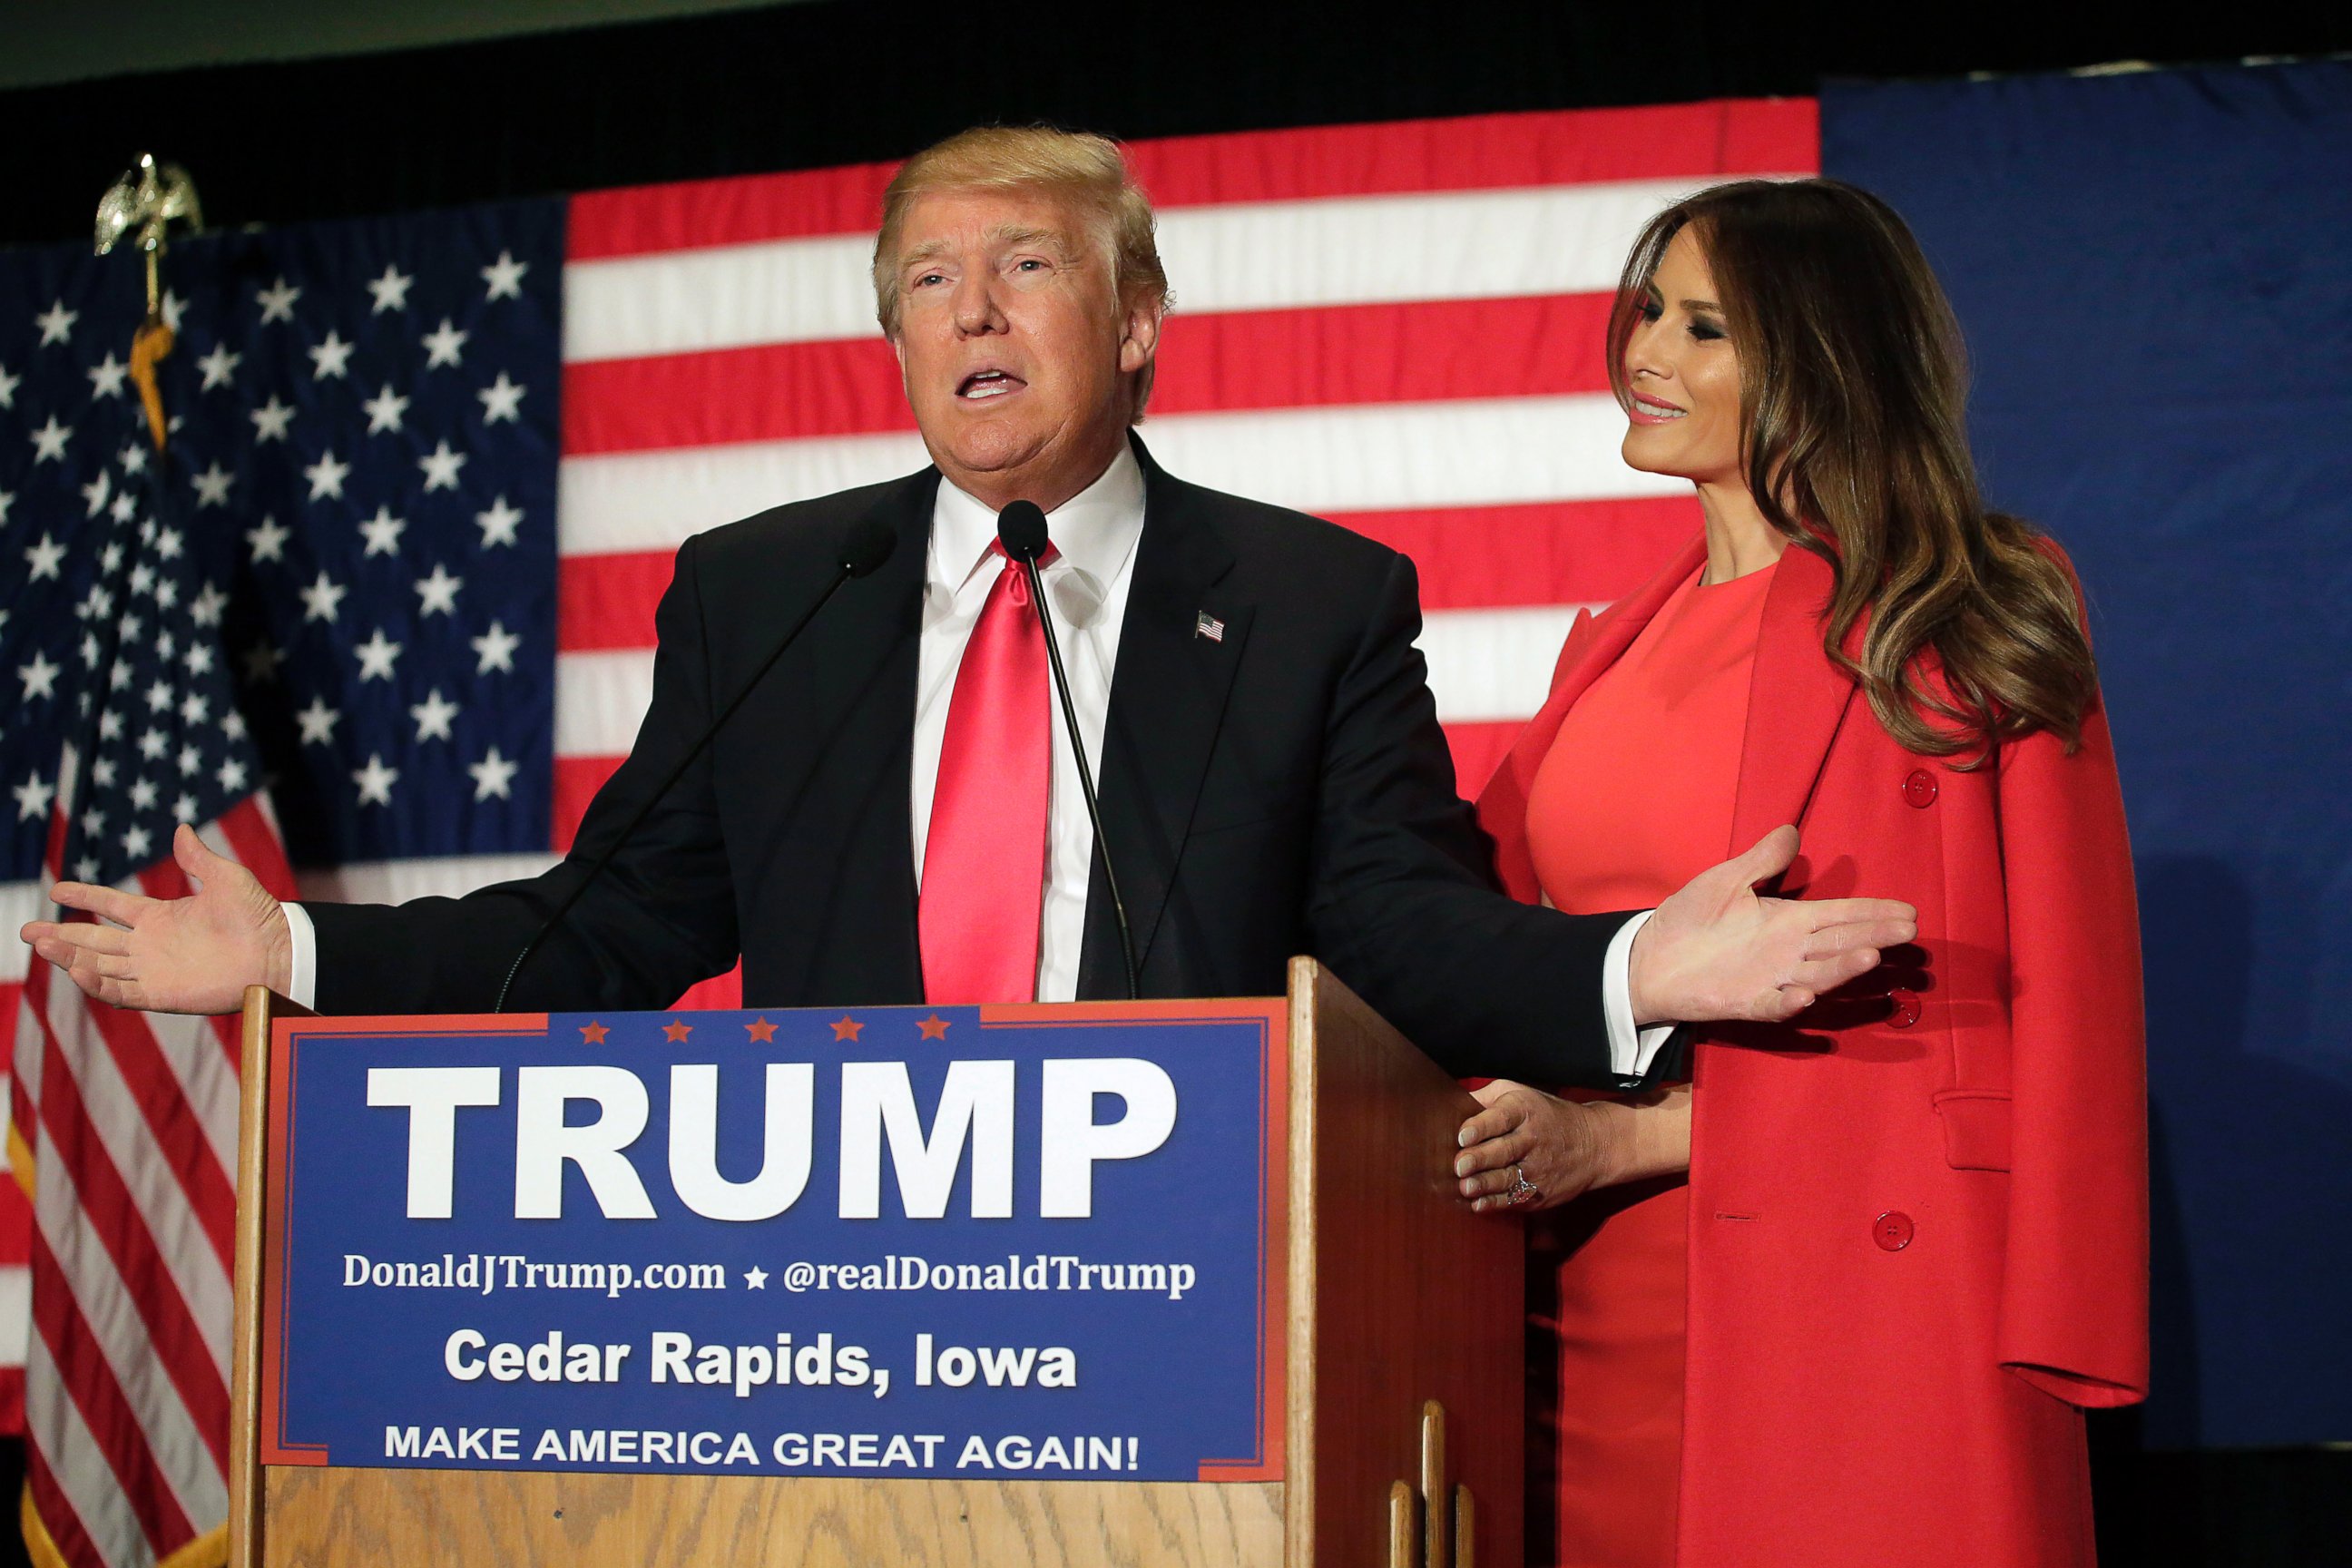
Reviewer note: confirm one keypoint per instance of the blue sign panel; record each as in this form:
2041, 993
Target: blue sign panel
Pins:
895, 1242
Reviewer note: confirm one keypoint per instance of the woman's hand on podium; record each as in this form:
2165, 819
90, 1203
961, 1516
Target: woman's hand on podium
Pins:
1529, 1150
1717, 950
193, 954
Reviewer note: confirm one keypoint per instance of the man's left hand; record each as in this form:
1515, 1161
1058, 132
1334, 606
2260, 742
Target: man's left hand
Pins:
1717, 950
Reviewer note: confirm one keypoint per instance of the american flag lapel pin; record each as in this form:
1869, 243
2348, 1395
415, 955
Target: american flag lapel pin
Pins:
1209, 626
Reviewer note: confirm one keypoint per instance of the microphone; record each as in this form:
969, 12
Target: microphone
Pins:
862, 551
1021, 530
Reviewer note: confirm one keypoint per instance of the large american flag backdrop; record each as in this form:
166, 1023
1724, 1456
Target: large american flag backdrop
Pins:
434, 469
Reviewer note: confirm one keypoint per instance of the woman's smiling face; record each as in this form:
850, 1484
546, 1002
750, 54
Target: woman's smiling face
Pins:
1682, 375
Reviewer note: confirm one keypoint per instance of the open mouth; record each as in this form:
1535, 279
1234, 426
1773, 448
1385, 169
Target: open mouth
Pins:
1650, 409
983, 384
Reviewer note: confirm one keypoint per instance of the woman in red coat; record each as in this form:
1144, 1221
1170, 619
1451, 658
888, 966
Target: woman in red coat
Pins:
1910, 1245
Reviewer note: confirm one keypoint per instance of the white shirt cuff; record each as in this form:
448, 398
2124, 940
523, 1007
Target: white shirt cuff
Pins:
1631, 1051
302, 937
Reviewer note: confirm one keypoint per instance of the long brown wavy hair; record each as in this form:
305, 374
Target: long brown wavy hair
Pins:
1853, 383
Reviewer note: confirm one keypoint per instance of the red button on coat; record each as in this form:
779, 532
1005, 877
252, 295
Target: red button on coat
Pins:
1892, 1231
1919, 789
1906, 1004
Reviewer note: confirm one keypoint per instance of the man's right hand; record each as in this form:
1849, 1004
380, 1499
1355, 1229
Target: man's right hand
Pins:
195, 954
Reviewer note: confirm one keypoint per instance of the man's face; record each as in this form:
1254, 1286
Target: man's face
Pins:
1015, 347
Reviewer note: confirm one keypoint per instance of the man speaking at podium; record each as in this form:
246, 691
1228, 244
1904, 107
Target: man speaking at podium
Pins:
894, 814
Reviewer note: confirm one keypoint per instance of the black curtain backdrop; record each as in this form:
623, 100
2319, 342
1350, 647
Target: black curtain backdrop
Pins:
812, 85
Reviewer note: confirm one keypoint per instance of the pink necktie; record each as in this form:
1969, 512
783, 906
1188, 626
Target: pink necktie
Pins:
984, 859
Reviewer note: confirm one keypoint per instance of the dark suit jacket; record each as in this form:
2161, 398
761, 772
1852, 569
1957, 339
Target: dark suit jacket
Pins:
1286, 789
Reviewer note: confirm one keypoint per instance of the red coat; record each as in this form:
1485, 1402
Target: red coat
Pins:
1918, 1236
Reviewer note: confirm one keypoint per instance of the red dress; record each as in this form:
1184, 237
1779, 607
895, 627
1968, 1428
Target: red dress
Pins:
1633, 800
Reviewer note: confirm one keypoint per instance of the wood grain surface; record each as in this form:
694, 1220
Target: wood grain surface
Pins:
321, 1518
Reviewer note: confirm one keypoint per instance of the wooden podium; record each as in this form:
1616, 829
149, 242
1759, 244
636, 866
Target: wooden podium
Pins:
1403, 1365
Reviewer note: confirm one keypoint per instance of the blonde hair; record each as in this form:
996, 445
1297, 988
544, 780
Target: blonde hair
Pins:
1088, 172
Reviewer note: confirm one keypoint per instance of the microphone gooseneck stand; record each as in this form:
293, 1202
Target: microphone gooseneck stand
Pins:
1021, 530
862, 550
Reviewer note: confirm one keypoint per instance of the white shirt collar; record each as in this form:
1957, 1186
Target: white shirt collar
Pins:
1095, 530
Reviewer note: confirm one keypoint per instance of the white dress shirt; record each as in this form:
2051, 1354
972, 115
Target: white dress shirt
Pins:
1096, 532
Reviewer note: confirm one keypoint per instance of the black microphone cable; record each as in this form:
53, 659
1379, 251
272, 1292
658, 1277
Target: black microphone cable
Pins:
862, 550
1021, 530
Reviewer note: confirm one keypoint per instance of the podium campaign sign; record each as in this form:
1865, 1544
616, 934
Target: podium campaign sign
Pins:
886, 1242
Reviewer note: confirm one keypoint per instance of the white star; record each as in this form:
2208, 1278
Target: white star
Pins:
497, 648
143, 577
327, 476
191, 759
382, 531
106, 377
271, 420
172, 310
755, 1279
101, 771
375, 781
8, 385
194, 710
143, 794
199, 658
212, 486
49, 441
8, 499
136, 843
442, 346
384, 411
231, 772
159, 696
206, 609
40, 677
218, 366
44, 558
260, 663
391, 290
133, 458
269, 541
125, 506
89, 649
322, 599
96, 491
438, 592
505, 276
232, 724
167, 546
33, 798
278, 301
433, 716
376, 655
318, 721
185, 808
330, 357
492, 776
502, 399
56, 322
152, 743
93, 822
85, 868
499, 523
441, 466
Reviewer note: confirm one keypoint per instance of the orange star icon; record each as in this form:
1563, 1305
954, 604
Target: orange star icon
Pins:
846, 1027
934, 1028
594, 1034
763, 1030
677, 1032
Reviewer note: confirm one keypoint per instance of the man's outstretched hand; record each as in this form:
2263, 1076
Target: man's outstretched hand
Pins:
195, 954
1716, 950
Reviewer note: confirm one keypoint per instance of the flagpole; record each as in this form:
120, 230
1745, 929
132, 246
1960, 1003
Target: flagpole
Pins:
143, 204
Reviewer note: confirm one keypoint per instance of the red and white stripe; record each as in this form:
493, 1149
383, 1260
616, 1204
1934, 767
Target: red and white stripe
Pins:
131, 1122
1394, 326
